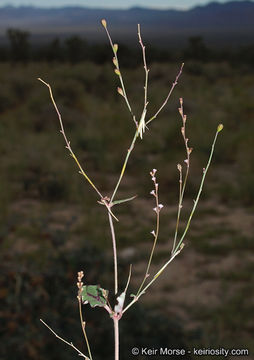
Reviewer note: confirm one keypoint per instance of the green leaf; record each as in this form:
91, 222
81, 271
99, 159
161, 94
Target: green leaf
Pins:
123, 200
94, 295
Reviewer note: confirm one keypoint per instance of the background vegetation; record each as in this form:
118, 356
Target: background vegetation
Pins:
51, 226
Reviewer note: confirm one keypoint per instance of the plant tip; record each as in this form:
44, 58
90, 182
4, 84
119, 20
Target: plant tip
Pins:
104, 23
220, 127
115, 48
120, 91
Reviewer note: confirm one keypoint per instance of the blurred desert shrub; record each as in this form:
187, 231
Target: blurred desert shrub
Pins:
42, 283
100, 128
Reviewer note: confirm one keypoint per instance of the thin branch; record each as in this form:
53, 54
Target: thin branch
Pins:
65, 341
114, 251
122, 90
179, 167
180, 244
151, 282
145, 66
142, 123
219, 128
137, 134
124, 165
187, 162
128, 280
68, 146
168, 96
83, 324
155, 233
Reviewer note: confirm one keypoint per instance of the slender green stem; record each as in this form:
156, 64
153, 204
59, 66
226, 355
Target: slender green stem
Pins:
187, 161
180, 243
168, 96
83, 325
151, 255
152, 281
117, 65
199, 191
156, 234
179, 205
145, 67
114, 251
68, 144
65, 341
124, 165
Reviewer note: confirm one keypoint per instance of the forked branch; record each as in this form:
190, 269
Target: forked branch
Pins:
65, 341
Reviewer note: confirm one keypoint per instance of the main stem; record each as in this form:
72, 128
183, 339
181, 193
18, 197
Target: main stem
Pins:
124, 165
114, 251
116, 334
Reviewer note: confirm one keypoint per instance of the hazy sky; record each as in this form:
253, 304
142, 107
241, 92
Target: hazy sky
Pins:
110, 3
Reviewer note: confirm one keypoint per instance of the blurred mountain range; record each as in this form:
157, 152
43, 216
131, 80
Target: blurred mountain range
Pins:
222, 24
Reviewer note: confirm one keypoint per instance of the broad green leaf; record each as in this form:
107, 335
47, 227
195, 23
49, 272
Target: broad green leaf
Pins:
94, 295
123, 200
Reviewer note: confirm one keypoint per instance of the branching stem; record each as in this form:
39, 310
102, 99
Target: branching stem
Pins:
199, 191
65, 341
68, 144
168, 96
180, 244
182, 183
114, 251
83, 325
156, 233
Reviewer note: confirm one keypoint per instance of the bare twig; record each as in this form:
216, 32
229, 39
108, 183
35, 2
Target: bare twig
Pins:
142, 123
155, 233
128, 280
168, 96
137, 134
219, 129
136, 297
187, 162
68, 146
145, 65
112, 229
121, 90
65, 341
180, 244
83, 324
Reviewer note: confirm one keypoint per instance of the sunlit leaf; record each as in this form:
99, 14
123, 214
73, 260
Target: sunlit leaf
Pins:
123, 200
94, 295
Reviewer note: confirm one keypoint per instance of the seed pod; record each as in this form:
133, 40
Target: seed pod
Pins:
104, 23
115, 48
220, 127
120, 91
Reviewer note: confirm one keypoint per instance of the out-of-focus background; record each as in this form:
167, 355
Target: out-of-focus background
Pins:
51, 225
